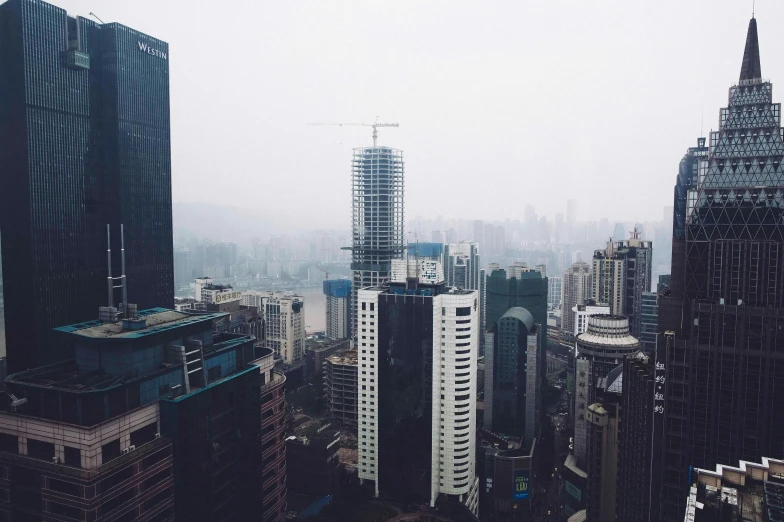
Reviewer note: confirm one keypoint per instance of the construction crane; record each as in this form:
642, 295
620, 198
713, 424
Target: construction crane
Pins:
326, 272
375, 126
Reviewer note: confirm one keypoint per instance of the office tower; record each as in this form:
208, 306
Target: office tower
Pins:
604, 419
340, 387
621, 273
284, 322
723, 325
542, 269
649, 321
418, 356
436, 236
156, 417
84, 119
377, 181
554, 292
479, 233
450, 236
599, 350
577, 286
513, 396
640, 451
518, 286
338, 308
461, 265
752, 491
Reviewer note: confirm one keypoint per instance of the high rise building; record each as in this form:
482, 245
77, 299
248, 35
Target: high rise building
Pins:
513, 396
640, 450
461, 265
84, 123
341, 381
500, 241
157, 417
338, 308
723, 320
581, 313
577, 286
518, 286
554, 292
621, 273
284, 322
599, 351
377, 182
603, 423
417, 345
649, 321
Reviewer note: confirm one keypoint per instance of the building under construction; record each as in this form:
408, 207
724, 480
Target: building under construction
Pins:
340, 384
377, 179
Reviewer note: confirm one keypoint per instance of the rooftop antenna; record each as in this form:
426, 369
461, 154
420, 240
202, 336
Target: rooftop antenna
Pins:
110, 286
96, 17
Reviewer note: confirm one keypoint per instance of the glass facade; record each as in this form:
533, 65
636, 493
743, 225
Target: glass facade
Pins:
724, 327
405, 401
84, 120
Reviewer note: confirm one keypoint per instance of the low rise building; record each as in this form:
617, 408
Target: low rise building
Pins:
340, 386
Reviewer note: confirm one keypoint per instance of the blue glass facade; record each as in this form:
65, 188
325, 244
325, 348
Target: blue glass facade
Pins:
84, 128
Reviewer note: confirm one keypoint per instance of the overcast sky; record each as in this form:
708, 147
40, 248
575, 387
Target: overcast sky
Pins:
500, 104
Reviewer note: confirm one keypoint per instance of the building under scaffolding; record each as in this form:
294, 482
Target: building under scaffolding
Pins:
340, 384
377, 217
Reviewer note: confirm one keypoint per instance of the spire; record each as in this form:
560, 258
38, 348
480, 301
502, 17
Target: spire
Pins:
751, 57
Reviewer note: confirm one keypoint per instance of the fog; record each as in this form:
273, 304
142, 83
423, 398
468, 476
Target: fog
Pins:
500, 104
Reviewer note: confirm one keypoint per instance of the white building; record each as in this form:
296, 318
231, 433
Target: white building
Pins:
576, 288
461, 265
441, 357
581, 314
284, 322
553, 292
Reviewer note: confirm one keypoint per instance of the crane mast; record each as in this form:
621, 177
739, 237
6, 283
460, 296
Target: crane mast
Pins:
375, 126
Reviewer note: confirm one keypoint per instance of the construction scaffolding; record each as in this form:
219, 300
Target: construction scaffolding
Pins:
377, 185
340, 385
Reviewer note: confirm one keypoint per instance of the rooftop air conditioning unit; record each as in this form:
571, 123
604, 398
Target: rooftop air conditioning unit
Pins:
55, 460
157, 435
131, 448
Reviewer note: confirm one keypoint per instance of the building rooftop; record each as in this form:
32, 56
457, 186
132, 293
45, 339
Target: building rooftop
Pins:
751, 492
157, 320
349, 358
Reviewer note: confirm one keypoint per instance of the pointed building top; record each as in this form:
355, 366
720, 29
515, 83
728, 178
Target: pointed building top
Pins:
751, 58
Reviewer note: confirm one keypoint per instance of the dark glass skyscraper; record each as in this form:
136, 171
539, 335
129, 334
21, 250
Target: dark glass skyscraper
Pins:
84, 142
723, 322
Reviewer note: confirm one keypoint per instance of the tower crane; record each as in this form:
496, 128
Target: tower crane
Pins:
375, 126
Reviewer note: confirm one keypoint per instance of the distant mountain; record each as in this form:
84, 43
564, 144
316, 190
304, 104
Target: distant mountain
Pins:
224, 222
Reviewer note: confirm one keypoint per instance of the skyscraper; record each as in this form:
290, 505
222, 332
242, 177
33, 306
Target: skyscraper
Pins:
461, 265
377, 179
599, 351
621, 274
84, 123
723, 324
513, 397
418, 359
554, 292
338, 308
577, 286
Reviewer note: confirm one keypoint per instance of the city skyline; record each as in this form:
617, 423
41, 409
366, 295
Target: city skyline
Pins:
509, 109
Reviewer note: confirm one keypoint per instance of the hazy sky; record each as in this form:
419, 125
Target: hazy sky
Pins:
500, 104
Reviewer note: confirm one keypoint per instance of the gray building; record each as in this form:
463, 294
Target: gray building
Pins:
649, 321
461, 265
377, 179
576, 289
